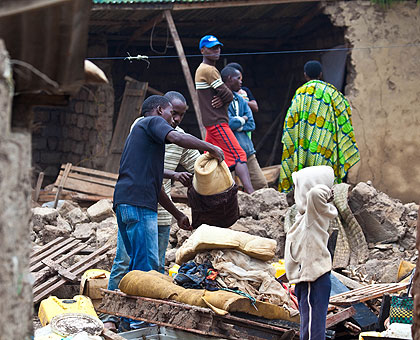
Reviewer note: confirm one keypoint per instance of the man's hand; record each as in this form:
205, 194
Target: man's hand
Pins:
184, 222
217, 153
217, 102
245, 118
184, 177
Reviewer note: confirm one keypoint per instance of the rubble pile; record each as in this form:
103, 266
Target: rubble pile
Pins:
389, 227
95, 226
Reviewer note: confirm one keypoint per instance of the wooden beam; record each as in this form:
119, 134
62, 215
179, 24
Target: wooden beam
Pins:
191, 6
186, 70
154, 91
12, 7
341, 316
224, 4
143, 29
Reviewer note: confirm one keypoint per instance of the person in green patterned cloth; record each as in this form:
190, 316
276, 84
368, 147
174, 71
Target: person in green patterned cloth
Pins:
317, 130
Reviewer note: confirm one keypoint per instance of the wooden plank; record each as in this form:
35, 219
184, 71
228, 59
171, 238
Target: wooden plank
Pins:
62, 182
88, 188
74, 251
47, 252
341, 316
154, 91
75, 269
130, 109
38, 186
12, 7
46, 246
349, 283
60, 251
89, 179
229, 4
57, 284
186, 71
93, 172
110, 335
63, 272
366, 293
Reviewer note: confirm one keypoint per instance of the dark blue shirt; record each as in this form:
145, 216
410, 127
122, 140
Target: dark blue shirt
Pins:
141, 166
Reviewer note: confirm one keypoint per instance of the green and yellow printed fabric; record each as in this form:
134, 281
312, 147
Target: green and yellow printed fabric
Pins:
317, 131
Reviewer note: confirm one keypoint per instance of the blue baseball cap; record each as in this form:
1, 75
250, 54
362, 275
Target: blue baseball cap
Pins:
209, 41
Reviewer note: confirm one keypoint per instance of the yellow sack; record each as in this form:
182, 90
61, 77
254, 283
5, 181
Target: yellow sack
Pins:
209, 237
210, 177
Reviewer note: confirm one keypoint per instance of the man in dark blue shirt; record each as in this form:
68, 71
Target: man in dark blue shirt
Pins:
139, 185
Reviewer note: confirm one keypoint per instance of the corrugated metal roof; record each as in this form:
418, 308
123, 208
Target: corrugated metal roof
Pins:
150, 1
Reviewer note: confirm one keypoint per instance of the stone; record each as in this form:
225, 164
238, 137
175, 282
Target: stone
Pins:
100, 211
51, 232
43, 216
248, 205
84, 231
378, 215
66, 207
270, 198
63, 224
170, 256
107, 230
76, 216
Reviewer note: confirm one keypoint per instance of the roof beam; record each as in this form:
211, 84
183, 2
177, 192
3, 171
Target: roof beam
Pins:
193, 5
12, 7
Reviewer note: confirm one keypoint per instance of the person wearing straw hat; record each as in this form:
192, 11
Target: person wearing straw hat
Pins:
214, 99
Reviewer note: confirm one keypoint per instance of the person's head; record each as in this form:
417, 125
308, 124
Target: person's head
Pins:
305, 179
210, 48
157, 106
237, 66
312, 70
232, 78
179, 106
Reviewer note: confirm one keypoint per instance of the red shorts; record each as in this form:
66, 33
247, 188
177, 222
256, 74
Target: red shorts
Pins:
222, 136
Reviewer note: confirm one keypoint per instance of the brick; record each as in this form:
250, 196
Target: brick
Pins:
50, 157
39, 143
52, 131
74, 118
75, 133
52, 143
85, 134
42, 116
79, 107
80, 148
100, 211
81, 121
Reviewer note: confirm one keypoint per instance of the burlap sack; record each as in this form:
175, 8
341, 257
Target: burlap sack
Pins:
157, 286
209, 237
210, 177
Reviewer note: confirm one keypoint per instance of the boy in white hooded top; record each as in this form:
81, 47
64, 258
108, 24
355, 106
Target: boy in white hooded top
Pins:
308, 261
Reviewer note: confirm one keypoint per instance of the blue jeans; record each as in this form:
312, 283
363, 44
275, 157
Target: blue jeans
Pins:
121, 263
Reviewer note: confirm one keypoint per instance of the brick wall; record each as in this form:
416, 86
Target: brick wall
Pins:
79, 133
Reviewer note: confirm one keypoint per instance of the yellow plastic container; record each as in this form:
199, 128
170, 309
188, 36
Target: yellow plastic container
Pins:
54, 306
174, 270
279, 267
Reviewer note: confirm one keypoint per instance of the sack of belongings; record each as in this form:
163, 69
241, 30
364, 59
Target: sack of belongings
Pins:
213, 197
209, 237
159, 286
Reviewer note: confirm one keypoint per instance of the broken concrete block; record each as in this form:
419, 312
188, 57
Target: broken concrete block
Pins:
76, 216
43, 216
100, 211
51, 232
248, 205
269, 199
66, 207
107, 230
84, 231
170, 256
379, 216
63, 224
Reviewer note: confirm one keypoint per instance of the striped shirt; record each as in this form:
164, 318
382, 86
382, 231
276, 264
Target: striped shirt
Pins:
208, 84
175, 155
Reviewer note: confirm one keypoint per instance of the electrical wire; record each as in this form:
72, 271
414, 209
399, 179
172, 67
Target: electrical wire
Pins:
143, 57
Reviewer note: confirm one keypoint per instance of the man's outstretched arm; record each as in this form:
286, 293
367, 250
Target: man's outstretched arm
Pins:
167, 204
190, 142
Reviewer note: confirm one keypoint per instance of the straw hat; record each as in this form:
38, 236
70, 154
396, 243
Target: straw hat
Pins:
210, 177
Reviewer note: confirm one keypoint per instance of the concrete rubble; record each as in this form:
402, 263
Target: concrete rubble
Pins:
389, 227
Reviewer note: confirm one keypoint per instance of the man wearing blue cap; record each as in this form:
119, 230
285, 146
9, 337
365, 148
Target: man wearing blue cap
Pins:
214, 99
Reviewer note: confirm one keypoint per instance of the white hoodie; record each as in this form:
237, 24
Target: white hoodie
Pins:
306, 253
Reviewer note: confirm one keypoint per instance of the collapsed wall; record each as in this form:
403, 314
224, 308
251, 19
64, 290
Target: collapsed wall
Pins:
382, 87
15, 188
